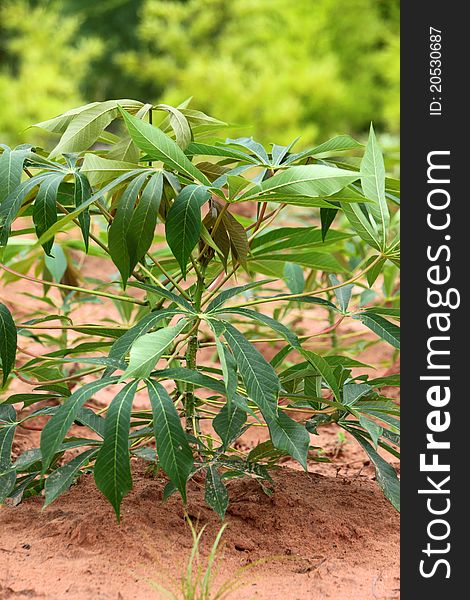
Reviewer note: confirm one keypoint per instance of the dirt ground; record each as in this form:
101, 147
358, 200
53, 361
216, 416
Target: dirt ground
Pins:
328, 533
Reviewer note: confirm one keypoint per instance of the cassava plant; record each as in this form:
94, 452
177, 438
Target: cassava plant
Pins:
201, 291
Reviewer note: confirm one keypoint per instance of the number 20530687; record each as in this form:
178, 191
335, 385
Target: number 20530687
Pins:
435, 71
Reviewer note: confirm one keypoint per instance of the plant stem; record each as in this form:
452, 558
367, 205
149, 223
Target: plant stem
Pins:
72, 288
304, 295
189, 400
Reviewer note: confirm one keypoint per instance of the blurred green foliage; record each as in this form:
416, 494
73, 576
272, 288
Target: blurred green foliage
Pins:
276, 68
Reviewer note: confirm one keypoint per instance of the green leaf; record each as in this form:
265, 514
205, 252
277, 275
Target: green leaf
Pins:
12, 204
229, 368
55, 430
238, 238
60, 480
269, 321
361, 224
375, 271
374, 430
306, 180
174, 454
161, 291
228, 424
352, 392
322, 367
282, 238
86, 126
45, 210
144, 219
294, 278
161, 147
11, 169
7, 432
84, 205
216, 494
120, 227
383, 328
125, 149
148, 348
385, 474
336, 144
288, 435
327, 216
8, 340
82, 191
373, 184
183, 222
254, 147
101, 170
179, 124
196, 148
222, 298
122, 345
259, 377
113, 468
343, 293
59, 124
194, 377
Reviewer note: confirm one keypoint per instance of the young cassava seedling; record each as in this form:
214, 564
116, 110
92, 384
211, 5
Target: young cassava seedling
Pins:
158, 203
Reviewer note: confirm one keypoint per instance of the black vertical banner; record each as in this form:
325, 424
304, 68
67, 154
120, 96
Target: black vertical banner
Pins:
436, 353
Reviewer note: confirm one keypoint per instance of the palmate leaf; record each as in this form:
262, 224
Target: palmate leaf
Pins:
113, 468
55, 430
216, 494
161, 147
183, 222
174, 454
60, 480
7, 432
8, 339
306, 180
45, 209
383, 328
120, 227
147, 349
373, 184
